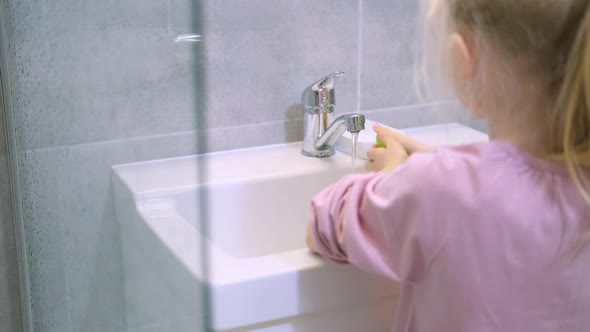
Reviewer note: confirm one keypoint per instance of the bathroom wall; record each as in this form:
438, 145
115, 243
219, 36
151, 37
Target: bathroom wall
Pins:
99, 83
10, 303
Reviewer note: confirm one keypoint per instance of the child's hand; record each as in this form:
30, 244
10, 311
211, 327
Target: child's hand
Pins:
409, 144
309, 238
388, 158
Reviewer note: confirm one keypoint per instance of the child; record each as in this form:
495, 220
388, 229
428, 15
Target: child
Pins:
491, 236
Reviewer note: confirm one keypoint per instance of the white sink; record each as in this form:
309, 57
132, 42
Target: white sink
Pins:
250, 253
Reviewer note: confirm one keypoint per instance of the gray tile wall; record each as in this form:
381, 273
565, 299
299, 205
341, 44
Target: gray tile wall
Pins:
10, 304
89, 71
261, 54
98, 83
389, 49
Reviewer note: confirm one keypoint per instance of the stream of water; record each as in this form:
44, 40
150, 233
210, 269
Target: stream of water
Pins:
355, 137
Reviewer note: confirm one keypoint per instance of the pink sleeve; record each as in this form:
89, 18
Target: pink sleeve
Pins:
378, 222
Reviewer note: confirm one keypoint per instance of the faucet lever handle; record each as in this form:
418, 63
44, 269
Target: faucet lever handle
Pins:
319, 97
327, 82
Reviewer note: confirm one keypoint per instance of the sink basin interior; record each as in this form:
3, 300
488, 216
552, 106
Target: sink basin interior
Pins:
255, 217
254, 202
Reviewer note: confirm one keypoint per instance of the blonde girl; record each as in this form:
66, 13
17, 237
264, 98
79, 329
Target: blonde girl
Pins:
491, 236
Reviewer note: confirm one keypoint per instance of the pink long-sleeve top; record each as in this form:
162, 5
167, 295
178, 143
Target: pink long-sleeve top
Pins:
481, 237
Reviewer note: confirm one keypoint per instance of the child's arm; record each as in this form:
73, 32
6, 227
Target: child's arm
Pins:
377, 222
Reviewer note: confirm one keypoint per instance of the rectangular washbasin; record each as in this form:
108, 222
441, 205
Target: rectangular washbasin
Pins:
233, 223
266, 215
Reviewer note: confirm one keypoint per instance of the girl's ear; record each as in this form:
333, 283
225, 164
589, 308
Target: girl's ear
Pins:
464, 67
463, 58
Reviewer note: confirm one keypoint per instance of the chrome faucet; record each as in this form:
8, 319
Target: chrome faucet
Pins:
320, 129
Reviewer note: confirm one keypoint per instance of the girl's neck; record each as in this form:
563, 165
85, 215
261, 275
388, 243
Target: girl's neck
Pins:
529, 144
524, 127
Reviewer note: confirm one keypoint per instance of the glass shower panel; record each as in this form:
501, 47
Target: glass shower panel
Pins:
93, 85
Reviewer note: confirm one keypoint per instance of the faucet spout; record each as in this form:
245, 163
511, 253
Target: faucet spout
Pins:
322, 144
352, 123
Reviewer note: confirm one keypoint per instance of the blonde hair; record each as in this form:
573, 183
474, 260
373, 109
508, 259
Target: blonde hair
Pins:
549, 39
